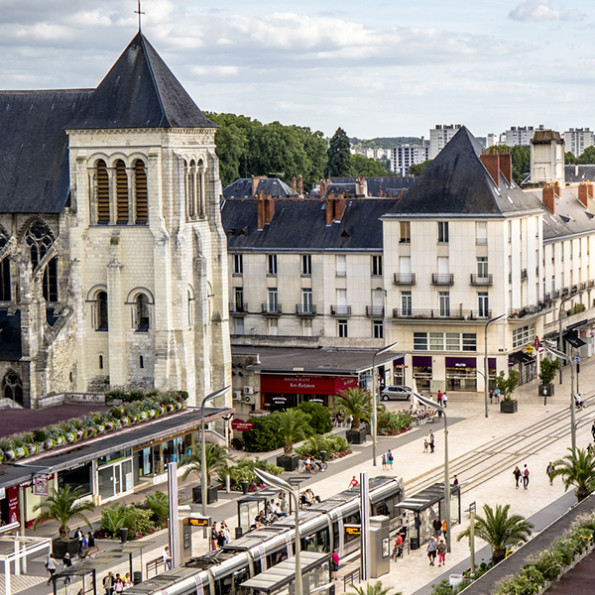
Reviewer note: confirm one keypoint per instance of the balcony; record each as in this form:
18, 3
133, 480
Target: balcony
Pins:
375, 311
583, 285
574, 289
565, 291
404, 279
527, 310
305, 311
271, 309
555, 294
443, 279
524, 275
481, 280
238, 309
453, 314
340, 310
590, 283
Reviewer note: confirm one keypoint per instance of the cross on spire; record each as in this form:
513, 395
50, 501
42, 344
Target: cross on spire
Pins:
139, 12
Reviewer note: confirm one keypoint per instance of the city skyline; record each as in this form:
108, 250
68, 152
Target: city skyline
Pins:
383, 69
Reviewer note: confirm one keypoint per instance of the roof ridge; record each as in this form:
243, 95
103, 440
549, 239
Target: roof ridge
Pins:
144, 41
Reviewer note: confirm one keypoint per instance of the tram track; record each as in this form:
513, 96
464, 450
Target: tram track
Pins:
490, 459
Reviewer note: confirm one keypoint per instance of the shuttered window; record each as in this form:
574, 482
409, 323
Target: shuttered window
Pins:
121, 193
102, 193
141, 193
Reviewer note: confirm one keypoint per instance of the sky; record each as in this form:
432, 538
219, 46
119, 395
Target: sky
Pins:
375, 67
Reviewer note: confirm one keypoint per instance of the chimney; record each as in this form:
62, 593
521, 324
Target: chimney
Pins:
255, 182
590, 189
293, 185
340, 205
506, 166
269, 209
549, 198
301, 185
492, 164
583, 194
260, 212
323, 188
330, 211
557, 188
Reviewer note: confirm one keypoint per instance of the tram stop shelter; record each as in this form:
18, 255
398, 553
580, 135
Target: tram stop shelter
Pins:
88, 574
251, 505
280, 579
425, 506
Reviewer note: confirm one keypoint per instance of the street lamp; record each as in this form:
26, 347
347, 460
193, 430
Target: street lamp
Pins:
281, 484
374, 397
485, 360
442, 410
561, 355
203, 454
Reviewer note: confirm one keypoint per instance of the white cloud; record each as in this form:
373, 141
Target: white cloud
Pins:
540, 10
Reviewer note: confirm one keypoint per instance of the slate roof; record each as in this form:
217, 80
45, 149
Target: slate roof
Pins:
138, 92
573, 174
242, 188
456, 184
571, 217
301, 225
378, 186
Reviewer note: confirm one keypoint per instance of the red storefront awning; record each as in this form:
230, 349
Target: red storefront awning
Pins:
306, 385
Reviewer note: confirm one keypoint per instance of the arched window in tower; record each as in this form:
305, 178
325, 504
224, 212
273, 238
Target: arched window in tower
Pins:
5, 285
200, 189
12, 387
142, 313
121, 193
39, 239
102, 324
141, 193
191, 189
102, 184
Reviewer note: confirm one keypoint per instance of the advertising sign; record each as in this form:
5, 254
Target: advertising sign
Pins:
242, 426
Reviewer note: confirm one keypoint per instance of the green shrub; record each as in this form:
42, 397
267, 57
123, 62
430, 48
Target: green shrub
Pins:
158, 505
243, 470
263, 437
137, 520
112, 519
550, 564
391, 423
320, 416
332, 444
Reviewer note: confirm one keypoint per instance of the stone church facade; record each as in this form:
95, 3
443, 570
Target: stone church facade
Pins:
113, 269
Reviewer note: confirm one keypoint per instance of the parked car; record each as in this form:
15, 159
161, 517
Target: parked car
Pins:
395, 393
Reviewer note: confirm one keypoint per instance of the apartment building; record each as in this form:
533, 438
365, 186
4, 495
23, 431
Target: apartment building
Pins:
402, 157
440, 136
576, 140
519, 136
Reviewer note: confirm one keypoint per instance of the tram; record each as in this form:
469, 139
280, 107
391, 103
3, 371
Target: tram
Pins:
321, 530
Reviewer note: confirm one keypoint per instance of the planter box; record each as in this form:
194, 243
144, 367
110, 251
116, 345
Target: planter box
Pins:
358, 437
509, 406
61, 546
546, 390
212, 495
288, 463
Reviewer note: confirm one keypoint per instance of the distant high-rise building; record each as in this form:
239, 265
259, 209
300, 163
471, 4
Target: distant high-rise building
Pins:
404, 156
576, 140
492, 140
439, 137
520, 135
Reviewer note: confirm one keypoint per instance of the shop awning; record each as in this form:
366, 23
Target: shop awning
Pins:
521, 357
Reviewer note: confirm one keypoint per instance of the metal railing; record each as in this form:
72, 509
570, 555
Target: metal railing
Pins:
443, 279
404, 279
238, 308
271, 309
341, 310
302, 310
375, 311
481, 279
452, 314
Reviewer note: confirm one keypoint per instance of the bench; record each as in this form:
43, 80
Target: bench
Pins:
153, 565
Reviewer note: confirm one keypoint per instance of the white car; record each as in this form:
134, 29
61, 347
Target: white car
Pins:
395, 393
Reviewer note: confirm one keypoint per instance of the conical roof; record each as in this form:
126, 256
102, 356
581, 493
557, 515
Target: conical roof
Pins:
140, 91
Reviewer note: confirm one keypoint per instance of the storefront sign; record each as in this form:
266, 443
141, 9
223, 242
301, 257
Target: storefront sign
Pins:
13, 505
460, 362
306, 385
41, 486
241, 425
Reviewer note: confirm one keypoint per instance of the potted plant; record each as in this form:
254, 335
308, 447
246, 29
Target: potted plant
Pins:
292, 426
216, 459
62, 505
547, 371
506, 387
355, 403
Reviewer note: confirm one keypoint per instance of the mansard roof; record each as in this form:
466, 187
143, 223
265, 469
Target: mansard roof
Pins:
242, 188
140, 91
300, 224
457, 184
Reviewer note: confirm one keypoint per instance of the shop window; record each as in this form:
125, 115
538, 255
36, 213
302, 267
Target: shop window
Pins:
12, 387
79, 476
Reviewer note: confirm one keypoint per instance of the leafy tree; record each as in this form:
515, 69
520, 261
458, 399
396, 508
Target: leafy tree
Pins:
548, 369
418, 168
292, 426
507, 385
320, 416
263, 436
521, 163
63, 505
216, 459
373, 589
339, 156
577, 469
357, 403
569, 158
500, 530
362, 166
587, 156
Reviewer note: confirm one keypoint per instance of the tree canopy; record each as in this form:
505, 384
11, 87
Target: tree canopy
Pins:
339, 156
418, 168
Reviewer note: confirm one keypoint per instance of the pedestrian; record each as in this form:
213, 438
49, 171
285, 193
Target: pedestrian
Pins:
220, 539
491, 395
444, 528
90, 540
118, 584
497, 395
431, 441
108, 583
455, 481
398, 547
384, 462
214, 535
353, 483
431, 549
80, 536
525, 477
437, 524
335, 565
389, 460
51, 565
425, 445
442, 553
548, 471
517, 476
167, 557
439, 397
444, 400
593, 430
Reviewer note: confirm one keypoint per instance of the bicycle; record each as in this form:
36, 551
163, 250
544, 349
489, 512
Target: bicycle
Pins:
315, 466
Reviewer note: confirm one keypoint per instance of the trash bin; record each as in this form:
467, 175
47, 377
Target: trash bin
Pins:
196, 495
414, 543
239, 532
245, 485
123, 534
137, 577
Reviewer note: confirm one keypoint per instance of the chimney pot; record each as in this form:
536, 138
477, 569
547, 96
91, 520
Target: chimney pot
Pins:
583, 194
330, 211
549, 198
492, 164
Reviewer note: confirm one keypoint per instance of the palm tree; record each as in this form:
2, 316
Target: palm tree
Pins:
376, 589
216, 459
292, 425
577, 469
499, 530
357, 403
62, 505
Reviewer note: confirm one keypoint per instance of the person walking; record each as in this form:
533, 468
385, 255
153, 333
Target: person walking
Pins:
548, 471
108, 583
491, 396
437, 525
389, 460
431, 549
517, 476
431, 441
167, 556
353, 483
593, 430
384, 462
525, 477
444, 400
439, 398
496, 395
335, 565
455, 481
442, 553
444, 528
51, 565
425, 445
398, 547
